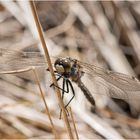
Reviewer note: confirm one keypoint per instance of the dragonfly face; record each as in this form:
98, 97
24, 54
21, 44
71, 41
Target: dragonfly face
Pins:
63, 66
68, 68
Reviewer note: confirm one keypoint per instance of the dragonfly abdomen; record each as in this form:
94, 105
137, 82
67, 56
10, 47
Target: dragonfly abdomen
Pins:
86, 92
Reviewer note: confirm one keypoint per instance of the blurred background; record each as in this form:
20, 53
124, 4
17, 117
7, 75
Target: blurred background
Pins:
105, 34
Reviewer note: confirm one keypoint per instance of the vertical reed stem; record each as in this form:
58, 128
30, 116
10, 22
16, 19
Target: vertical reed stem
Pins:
71, 114
46, 106
41, 36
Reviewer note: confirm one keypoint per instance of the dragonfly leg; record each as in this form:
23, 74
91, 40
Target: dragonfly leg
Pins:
60, 76
68, 82
63, 88
49, 70
56, 80
63, 92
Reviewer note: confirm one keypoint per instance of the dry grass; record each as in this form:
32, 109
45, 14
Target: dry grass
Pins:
102, 33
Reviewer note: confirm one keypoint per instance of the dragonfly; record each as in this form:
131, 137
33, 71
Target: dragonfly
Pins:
103, 81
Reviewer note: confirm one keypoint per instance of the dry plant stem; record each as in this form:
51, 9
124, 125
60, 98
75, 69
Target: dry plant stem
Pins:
132, 35
68, 22
41, 35
17, 12
41, 92
73, 122
15, 104
16, 71
46, 106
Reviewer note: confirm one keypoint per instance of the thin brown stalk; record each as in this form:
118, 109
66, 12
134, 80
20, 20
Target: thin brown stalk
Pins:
41, 36
45, 103
73, 122
16, 71
15, 104
41, 92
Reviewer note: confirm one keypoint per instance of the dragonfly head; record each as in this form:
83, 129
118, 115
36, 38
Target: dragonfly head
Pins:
63, 65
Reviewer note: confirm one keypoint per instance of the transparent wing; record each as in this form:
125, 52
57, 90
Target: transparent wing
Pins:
11, 60
113, 84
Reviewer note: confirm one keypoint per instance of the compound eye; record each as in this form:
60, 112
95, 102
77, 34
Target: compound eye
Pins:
59, 68
67, 66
